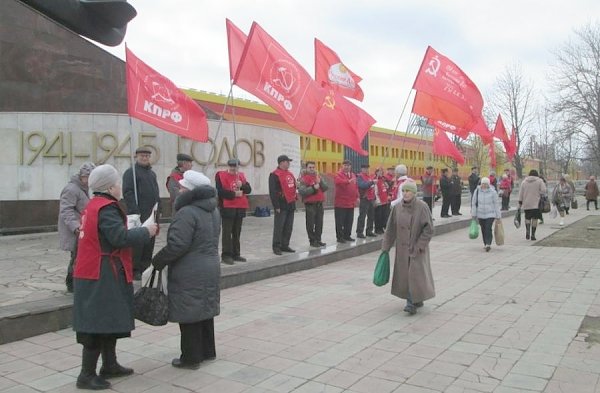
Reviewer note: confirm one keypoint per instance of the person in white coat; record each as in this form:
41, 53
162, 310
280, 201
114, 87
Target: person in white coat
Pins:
485, 208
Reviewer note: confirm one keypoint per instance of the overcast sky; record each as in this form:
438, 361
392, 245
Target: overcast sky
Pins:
382, 41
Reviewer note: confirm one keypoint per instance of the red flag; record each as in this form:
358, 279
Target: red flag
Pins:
156, 100
331, 72
341, 121
437, 109
267, 71
441, 78
442, 146
499, 130
492, 156
460, 132
236, 40
481, 129
511, 145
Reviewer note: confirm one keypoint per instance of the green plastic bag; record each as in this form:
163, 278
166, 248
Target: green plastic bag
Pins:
381, 276
473, 229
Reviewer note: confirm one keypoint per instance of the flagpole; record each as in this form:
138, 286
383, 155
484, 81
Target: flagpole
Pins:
135, 193
396, 128
233, 118
212, 147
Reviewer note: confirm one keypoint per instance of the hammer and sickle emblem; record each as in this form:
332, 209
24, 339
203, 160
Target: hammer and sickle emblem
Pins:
329, 101
434, 66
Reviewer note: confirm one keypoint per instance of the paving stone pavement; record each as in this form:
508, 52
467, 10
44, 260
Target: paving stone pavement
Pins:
504, 321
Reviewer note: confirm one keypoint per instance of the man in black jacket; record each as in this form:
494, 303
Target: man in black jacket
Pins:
141, 200
473, 180
455, 192
282, 190
445, 188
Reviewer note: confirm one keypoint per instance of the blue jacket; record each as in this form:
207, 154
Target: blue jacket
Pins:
485, 203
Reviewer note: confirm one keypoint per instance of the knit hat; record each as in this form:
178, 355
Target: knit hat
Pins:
103, 177
86, 168
401, 170
485, 180
409, 185
192, 179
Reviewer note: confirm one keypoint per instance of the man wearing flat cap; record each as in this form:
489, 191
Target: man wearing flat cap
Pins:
73, 199
232, 189
282, 190
141, 200
184, 163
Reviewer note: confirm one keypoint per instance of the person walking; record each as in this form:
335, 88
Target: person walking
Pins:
346, 193
473, 180
505, 190
382, 203
410, 229
102, 279
486, 209
233, 190
455, 192
73, 199
366, 207
591, 193
562, 195
140, 198
184, 163
192, 255
312, 187
532, 188
282, 191
445, 189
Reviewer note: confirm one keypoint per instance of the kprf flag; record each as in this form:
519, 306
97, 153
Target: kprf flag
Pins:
480, 128
443, 146
341, 121
269, 72
460, 132
156, 100
236, 40
499, 130
331, 72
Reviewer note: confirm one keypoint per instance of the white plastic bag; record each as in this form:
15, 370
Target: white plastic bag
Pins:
553, 212
148, 273
133, 221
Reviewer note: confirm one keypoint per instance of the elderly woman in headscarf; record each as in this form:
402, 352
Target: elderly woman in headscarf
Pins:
194, 269
485, 208
562, 195
102, 279
410, 229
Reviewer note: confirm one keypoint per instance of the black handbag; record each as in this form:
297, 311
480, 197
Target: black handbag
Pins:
150, 305
544, 204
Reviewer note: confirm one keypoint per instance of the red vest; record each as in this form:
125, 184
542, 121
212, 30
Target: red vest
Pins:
397, 186
228, 181
369, 193
346, 192
89, 252
382, 190
311, 180
175, 176
287, 182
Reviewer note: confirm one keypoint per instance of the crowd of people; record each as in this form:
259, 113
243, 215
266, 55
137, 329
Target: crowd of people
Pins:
108, 253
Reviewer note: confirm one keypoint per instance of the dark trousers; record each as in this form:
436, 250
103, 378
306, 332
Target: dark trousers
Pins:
197, 341
381, 214
486, 230
282, 228
344, 217
142, 256
71, 267
429, 201
445, 204
587, 203
366, 209
505, 201
230, 240
314, 221
455, 201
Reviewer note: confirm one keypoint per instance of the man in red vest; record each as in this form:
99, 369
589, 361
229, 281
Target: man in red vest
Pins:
346, 193
366, 208
312, 187
232, 188
184, 163
282, 190
382, 202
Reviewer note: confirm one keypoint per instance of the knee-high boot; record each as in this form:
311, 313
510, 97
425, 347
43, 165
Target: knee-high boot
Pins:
110, 368
88, 379
533, 233
527, 230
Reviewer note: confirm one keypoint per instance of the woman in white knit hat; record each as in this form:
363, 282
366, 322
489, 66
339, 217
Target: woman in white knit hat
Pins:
485, 208
102, 279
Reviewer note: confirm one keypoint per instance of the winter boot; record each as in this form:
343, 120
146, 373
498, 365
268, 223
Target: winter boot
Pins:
527, 230
110, 368
533, 233
88, 379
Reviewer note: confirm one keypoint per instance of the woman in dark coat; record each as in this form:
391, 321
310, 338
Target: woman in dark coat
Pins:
194, 271
103, 299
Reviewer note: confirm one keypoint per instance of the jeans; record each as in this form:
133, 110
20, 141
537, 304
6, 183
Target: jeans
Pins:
486, 225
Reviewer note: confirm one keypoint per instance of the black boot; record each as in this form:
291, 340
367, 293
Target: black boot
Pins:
533, 233
88, 379
527, 229
110, 368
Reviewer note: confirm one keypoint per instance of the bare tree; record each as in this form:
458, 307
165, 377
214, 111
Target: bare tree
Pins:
576, 79
478, 152
513, 99
545, 149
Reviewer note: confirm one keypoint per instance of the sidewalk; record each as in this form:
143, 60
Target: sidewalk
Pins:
504, 321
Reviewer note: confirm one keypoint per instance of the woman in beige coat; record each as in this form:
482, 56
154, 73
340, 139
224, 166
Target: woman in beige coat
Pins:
410, 229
